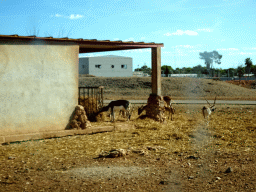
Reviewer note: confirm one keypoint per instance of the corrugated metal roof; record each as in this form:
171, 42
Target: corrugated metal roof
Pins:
88, 45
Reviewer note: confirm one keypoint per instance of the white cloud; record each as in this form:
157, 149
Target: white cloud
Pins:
116, 39
228, 49
180, 32
72, 16
175, 54
185, 46
243, 53
233, 49
249, 48
77, 16
138, 50
58, 15
129, 39
205, 30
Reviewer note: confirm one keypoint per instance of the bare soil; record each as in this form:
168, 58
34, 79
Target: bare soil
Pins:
179, 88
185, 154
250, 84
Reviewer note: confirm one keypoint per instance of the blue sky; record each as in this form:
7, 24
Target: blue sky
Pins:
186, 27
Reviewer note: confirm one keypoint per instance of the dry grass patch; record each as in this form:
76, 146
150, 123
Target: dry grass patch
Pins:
183, 147
230, 128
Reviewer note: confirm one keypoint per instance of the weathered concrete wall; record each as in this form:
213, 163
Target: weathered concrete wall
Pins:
39, 86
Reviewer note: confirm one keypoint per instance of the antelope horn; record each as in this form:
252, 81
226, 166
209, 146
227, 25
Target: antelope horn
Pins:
215, 100
207, 102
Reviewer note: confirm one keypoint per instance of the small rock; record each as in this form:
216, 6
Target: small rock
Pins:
229, 170
158, 159
139, 151
151, 148
216, 161
218, 178
189, 164
191, 177
192, 157
11, 157
113, 153
163, 183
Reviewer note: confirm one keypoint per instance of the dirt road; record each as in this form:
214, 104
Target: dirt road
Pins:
234, 102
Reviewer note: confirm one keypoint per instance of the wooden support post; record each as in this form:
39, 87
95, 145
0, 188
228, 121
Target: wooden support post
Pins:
155, 107
156, 70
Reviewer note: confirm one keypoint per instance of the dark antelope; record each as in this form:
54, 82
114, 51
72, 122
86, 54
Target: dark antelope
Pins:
119, 105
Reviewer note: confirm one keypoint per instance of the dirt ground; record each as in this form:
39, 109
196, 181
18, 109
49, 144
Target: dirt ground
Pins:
178, 88
250, 84
185, 154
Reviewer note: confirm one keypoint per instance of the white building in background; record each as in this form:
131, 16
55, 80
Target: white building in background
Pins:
106, 66
140, 74
182, 75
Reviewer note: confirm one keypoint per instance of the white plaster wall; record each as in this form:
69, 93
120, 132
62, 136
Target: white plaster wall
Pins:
39, 87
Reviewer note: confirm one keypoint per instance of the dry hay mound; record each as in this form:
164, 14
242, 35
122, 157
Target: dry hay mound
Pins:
92, 107
97, 117
90, 104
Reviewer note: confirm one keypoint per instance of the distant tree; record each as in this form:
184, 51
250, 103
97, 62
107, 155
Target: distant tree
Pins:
209, 58
197, 69
166, 69
253, 69
240, 71
183, 70
248, 63
205, 71
144, 69
222, 72
231, 72
177, 70
188, 70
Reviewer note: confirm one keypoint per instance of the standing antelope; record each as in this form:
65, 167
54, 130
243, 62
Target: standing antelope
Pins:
169, 107
118, 105
171, 111
168, 100
141, 109
207, 110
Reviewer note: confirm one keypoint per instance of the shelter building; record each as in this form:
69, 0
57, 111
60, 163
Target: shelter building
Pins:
39, 82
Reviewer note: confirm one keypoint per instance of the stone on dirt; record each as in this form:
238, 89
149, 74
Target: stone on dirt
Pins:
229, 170
113, 153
